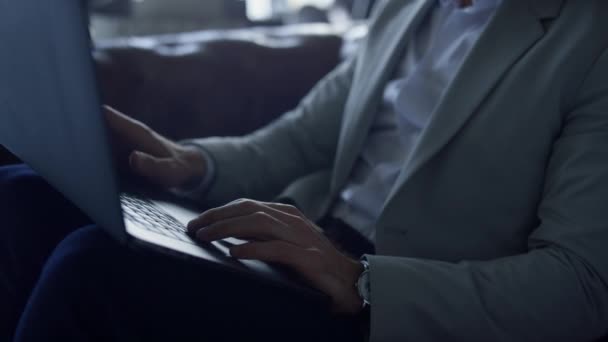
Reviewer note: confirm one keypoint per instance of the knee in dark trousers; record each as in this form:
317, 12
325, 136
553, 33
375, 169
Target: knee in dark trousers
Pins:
34, 219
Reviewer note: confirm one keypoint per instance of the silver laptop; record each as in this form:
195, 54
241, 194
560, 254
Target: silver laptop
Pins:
51, 117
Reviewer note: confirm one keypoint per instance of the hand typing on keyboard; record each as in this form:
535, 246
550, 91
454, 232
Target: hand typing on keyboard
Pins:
281, 234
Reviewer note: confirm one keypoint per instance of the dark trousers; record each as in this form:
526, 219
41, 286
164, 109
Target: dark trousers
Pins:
62, 282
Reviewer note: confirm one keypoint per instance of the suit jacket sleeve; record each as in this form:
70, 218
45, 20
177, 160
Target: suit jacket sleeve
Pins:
301, 142
558, 291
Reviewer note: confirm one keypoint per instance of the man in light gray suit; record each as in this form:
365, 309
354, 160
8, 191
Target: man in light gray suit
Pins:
467, 142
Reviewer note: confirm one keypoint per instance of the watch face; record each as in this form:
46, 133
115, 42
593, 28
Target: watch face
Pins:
363, 286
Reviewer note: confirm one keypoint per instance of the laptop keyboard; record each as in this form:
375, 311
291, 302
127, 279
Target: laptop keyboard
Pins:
150, 217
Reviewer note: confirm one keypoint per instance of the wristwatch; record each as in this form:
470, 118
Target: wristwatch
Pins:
363, 284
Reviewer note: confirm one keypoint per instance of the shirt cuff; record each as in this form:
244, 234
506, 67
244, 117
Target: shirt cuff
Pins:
198, 190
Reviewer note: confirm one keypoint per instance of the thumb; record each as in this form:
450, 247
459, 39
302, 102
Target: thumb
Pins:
160, 171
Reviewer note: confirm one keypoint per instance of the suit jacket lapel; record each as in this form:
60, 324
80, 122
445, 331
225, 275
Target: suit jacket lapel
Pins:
513, 31
375, 66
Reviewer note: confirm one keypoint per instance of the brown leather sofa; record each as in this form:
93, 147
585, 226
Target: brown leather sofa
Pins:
223, 82
227, 82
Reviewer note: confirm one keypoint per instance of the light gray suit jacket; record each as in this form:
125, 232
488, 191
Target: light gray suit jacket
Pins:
497, 229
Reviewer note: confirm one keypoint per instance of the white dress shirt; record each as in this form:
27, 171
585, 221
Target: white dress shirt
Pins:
432, 59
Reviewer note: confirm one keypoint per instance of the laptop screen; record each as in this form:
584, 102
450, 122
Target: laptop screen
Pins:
50, 110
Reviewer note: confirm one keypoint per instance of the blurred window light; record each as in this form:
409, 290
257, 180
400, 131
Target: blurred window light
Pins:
267, 9
296, 4
259, 9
